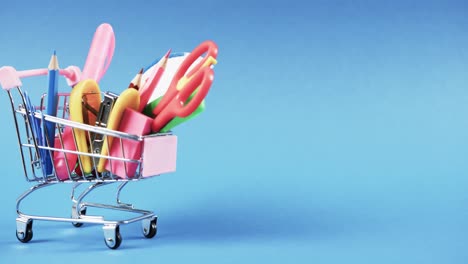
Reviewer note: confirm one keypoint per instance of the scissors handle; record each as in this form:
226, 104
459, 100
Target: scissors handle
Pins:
208, 47
211, 50
200, 85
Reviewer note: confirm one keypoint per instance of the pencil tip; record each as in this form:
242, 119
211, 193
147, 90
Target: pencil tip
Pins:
141, 71
166, 58
53, 64
168, 53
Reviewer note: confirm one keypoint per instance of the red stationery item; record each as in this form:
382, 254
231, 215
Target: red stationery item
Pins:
149, 87
183, 85
133, 123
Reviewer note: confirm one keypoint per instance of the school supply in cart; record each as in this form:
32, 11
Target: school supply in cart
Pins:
97, 140
197, 81
96, 137
152, 81
85, 99
51, 108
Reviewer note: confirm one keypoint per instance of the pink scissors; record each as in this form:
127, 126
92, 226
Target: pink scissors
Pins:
197, 81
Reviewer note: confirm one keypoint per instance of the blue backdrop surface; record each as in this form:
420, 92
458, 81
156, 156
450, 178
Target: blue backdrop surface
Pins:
335, 131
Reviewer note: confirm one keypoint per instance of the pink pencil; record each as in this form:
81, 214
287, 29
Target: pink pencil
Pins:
147, 90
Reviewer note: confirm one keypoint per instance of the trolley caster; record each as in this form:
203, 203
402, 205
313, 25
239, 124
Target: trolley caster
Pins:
24, 231
112, 236
150, 227
82, 212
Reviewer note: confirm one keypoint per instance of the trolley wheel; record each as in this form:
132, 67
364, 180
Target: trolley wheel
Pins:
27, 235
114, 243
82, 212
149, 231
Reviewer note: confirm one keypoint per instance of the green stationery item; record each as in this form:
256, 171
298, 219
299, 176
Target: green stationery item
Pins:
148, 110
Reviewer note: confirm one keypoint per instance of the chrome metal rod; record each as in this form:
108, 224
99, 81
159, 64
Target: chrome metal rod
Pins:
28, 192
83, 153
76, 185
72, 220
85, 193
29, 127
116, 207
18, 134
119, 189
86, 219
89, 220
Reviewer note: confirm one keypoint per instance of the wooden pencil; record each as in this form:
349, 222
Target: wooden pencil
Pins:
147, 91
136, 82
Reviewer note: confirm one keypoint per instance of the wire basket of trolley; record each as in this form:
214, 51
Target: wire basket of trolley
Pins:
99, 138
128, 157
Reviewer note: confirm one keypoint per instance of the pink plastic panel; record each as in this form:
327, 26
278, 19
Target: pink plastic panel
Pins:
159, 155
134, 123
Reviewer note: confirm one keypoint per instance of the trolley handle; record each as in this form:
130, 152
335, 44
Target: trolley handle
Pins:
9, 78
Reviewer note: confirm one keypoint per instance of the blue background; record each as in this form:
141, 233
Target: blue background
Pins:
335, 131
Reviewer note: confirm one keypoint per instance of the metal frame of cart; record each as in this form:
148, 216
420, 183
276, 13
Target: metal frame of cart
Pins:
32, 154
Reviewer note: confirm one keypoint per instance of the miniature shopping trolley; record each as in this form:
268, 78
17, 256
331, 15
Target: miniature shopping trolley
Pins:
156, 155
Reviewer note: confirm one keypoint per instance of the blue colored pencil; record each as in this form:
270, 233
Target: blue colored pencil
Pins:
51, 108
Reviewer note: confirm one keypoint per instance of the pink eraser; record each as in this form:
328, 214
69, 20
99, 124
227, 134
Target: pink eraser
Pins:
134, 123
159, 155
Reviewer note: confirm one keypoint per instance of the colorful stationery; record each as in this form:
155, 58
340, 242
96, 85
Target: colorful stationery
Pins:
129, 98
148, 110
133, 123
85, 93
35, 125
136, 81
100, 53
198, 80
51, 109
173, 63
152, 82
